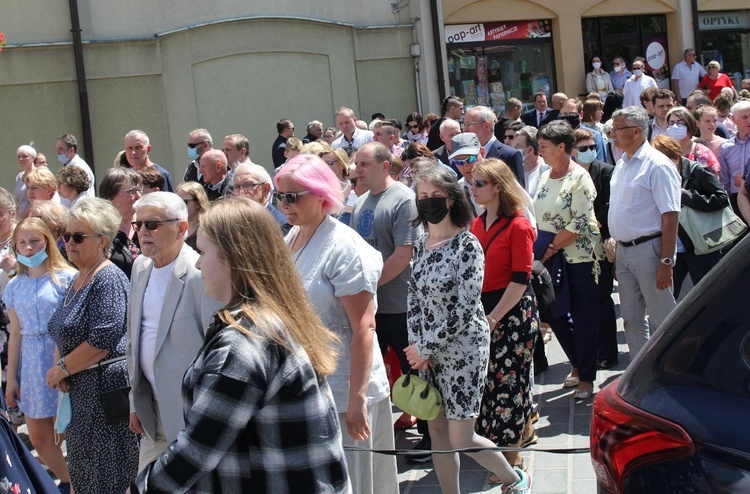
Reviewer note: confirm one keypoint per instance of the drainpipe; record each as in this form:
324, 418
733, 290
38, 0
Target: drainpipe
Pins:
696, 26
83, 94
436, 21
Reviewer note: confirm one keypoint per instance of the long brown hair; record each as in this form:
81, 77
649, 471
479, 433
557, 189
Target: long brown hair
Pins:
510, 199
55, 260
265, 283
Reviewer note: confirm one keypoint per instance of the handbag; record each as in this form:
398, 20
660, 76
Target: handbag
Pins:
416, 396
541, 282
115, 403
711, 230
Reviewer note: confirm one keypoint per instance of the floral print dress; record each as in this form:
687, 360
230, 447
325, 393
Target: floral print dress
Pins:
446, 320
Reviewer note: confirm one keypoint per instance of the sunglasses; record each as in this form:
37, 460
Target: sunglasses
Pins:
480, 183
509, 137
592, 147
150, 225
289, 197
470, 159
193, 145
414, 127
77, 237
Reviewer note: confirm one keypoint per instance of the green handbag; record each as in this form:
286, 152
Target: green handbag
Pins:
417, 397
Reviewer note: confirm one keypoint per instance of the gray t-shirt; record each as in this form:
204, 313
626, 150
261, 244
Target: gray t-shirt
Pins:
385, 221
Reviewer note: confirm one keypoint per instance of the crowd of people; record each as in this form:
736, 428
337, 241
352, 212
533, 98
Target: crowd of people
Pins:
164, 319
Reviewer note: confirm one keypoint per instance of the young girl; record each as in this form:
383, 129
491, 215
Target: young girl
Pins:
31, 298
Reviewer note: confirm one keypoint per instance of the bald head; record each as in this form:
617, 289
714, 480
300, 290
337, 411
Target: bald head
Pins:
557, 100
213, 166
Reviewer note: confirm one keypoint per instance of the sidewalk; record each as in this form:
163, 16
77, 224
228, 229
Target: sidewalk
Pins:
563, 423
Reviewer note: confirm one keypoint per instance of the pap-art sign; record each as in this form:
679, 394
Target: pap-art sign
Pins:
497, 31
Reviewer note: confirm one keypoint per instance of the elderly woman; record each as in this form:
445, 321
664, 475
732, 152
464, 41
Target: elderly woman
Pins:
122, 187
31, 298
197, 203
26, 156
89, 330
702, 191
72, 183
714, 81
53, 215
507, 239
568, 232
258, 411
41, 185
598, 79
340, 272
448, 330
681, 126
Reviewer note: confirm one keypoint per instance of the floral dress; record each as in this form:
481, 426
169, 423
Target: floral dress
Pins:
703, 155
446, 320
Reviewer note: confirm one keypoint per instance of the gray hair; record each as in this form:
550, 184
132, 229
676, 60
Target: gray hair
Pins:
740, 106
313, 124
100, 215
28, 149
485, 114
135, 134
256, 171
634, 115
203, 134
607, 127
170, 203
447, 122
7, 200
529, 133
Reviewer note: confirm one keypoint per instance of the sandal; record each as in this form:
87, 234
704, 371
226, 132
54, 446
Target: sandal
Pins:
404, 422
570, 381
583, 394
528, 440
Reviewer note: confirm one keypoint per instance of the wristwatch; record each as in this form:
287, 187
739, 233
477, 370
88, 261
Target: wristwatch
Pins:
667, 261
61, 365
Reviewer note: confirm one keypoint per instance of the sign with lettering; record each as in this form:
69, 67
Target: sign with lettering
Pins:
719, 21
498, 31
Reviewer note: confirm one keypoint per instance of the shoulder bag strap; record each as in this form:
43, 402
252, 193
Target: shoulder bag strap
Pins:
498, 232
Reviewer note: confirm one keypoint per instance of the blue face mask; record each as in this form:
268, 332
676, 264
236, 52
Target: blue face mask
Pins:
62, 158
192, 153
64, 414
33, 261
586, 157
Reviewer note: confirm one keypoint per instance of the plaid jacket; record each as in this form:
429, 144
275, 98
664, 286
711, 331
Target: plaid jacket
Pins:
257, 419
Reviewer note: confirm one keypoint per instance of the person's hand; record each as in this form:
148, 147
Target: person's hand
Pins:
738, 180
8, 261
663, 277
12, 393
356, 419
412, 356
64, 385
135, 424
54, 376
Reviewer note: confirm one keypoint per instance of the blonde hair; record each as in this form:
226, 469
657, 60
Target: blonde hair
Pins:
55, 260
264, 280
52, 213
510, 200
42, 176
198, 192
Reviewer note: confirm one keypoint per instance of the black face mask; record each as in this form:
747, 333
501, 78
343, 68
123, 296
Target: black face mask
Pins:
433, 209
573, 120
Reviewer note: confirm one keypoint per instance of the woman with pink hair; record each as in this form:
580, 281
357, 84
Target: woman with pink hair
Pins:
340, 272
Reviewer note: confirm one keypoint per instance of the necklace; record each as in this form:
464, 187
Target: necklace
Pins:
68, 299
436, 244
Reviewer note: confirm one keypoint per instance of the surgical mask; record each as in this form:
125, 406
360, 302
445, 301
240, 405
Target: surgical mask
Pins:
618, 68
586, 157
64, 414
597, 65
192, 153
573, 120
33, 261
677, 132
62, 158
433, 209
637, 72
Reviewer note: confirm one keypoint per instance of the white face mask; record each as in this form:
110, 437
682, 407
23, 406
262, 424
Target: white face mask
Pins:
618, 68
586, 157
597, 65
638, 72
677, 132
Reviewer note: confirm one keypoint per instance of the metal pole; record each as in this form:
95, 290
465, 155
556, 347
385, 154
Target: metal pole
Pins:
83, 95
696, 27
436, 21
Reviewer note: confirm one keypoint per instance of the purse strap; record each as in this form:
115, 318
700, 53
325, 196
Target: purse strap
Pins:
430, 382
498, 232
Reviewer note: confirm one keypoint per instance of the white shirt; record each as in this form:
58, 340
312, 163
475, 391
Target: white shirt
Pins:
631, 92
359, 139
153, 300
687, 77
532, 177
80, 163
642, 189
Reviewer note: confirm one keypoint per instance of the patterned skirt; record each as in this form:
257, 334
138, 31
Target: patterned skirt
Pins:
506, 404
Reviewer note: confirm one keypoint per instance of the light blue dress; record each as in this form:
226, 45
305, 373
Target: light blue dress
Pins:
34, 300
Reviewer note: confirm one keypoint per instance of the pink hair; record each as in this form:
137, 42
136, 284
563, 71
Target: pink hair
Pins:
314, 175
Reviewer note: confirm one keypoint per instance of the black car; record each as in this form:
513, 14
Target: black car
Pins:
678, 419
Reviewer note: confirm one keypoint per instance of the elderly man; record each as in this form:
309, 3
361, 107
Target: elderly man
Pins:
556, 103
620, 74
735, 161
67, 154
352, 137
314, 132
213, 166
448, 130
643, 212
254, 181
686, 75
168, 313
481, 121
533, 164
137, 149
636, 84
199, 141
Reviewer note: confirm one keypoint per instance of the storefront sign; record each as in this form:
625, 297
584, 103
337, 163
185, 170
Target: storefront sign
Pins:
724, 20
497, 31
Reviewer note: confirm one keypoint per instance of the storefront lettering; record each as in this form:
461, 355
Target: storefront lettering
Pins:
730, 20
464, 33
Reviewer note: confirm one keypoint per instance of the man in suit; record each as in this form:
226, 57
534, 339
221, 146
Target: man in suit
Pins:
535, 116
448, 130
481, 121
168, 314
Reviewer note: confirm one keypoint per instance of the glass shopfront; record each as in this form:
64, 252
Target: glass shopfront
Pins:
491, 62
725, 37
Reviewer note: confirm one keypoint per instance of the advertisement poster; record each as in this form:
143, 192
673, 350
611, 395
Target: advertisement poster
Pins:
498, 31
657, 60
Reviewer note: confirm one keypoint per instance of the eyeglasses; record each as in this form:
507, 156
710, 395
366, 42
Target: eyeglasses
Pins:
133, 191
150, 225
192, 145
676, 123
592, 147
618, 129
506, 137
480, 183
76, 237
289, 197
470, 159
245, 187
468, 124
